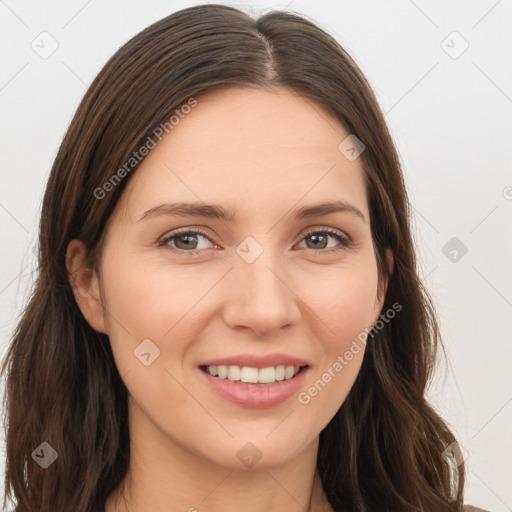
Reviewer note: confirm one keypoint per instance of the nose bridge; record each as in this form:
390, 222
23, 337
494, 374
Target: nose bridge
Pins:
260, 297
258, 268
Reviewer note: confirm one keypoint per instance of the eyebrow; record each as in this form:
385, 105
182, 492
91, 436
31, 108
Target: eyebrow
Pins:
214, 211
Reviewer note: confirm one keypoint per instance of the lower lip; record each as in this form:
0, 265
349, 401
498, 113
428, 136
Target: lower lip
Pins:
253, 396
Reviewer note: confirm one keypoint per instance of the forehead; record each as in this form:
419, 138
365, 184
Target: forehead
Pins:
251, 150
248, 121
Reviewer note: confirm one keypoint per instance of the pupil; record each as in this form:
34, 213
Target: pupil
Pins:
316, 237
188, 237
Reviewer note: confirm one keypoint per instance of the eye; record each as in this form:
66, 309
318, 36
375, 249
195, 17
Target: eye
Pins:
186, 241
320, 239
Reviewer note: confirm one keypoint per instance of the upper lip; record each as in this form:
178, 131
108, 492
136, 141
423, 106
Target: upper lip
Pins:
255, 361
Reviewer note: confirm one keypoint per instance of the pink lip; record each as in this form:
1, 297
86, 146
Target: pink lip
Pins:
257, 361
254, 396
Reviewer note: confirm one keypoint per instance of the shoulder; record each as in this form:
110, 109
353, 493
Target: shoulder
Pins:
470, 508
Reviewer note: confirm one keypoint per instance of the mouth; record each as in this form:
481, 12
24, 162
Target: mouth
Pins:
253, 376
254, 387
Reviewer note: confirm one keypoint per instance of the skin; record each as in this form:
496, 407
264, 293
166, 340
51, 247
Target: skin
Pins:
263, 153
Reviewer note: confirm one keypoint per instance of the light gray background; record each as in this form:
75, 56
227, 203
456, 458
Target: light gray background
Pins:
450, 115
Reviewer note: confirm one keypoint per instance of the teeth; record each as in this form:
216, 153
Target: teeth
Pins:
266, 375
279, 373
247, 374
253, 375
233, 372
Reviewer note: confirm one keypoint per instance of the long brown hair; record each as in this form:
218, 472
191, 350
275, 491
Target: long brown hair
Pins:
383, 449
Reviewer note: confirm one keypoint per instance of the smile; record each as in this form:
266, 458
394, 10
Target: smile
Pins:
252, 375
254, 388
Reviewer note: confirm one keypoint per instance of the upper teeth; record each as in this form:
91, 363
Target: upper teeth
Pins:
253, 375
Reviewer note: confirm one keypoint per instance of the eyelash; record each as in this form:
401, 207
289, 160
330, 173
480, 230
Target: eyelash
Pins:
345, 242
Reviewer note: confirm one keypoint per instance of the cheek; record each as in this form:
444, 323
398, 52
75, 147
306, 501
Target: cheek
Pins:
342, 300
142, 303
345, 305
347, 312
329, 386
147, 302
352, 312
149, 296
166, 304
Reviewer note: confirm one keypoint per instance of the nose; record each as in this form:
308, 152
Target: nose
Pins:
260, 297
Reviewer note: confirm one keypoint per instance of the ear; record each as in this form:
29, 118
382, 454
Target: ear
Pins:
85, 285
383, 286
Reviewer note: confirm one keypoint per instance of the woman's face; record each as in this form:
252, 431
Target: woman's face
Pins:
266, 283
